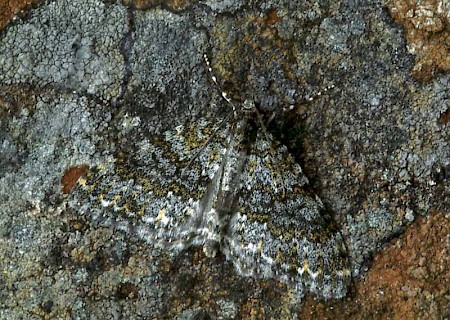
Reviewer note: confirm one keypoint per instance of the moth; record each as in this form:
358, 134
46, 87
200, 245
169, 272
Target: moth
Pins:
227, 185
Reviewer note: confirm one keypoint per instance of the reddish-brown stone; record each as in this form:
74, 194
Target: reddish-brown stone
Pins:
408, 280
11, 8
427, 32
71, 176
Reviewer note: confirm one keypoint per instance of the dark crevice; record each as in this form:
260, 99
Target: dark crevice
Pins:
126, 47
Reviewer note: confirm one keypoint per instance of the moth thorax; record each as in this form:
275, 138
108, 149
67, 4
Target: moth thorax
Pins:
248, 105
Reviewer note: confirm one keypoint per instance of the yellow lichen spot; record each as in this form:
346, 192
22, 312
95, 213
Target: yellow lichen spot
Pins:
207, 131
116, 198
274, 173
319, 271
141, 210
279, 256
192, 138
175, 188
346, 272
260, 246
125, 208
214, 156
251, 167
146, 185
161, 214
82, 182
305, 266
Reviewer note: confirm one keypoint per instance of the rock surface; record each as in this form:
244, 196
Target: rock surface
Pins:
79, 79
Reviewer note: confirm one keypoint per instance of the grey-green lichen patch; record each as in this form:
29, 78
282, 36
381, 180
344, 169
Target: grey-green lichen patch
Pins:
52, 268
71, 44
376, 151
163, 41
227, 309
42, 141
222, 6
166, 48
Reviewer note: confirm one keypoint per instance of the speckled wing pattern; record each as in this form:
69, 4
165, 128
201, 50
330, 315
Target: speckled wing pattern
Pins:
281, 231
160, 191
223, 186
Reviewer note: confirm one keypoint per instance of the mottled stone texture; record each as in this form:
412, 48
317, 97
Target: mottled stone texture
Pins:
79, 80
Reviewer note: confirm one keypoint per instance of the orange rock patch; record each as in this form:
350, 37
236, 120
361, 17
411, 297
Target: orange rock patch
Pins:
427, 30
408, 280
11, 8
71, 176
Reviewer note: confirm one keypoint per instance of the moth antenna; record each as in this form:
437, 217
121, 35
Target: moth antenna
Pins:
317, 94
214, 79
